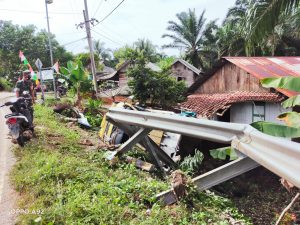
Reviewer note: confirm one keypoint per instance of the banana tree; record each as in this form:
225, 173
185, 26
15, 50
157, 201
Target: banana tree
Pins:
292, 119
78, 76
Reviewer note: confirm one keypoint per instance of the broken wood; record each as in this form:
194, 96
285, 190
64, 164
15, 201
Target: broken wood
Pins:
140, 164
287, 208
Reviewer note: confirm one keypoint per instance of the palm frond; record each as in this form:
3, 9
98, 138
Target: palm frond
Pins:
262, 16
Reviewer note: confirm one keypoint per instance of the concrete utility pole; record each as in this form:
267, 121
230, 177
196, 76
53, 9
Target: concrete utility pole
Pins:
50, 44
88, 32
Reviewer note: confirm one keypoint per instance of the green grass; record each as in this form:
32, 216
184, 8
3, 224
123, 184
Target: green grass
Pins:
74, 186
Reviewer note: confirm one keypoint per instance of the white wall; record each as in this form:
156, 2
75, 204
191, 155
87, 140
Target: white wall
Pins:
242, 112
273, 110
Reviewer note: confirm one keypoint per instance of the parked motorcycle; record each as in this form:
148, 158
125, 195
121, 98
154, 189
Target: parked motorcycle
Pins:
20, 121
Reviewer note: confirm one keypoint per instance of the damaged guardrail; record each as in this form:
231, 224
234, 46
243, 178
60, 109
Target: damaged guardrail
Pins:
281, 156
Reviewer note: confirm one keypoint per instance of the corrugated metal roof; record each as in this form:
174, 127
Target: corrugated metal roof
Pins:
263, 67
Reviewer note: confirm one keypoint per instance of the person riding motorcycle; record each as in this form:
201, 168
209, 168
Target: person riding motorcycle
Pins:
25, 87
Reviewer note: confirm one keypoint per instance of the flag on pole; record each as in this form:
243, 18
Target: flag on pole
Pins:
25, 62
56, 67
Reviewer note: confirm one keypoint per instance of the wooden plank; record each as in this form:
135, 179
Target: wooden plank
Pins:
164, 157
141, 164
213, 177
133, 140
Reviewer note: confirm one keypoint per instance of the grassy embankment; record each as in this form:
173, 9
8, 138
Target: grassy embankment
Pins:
72, 185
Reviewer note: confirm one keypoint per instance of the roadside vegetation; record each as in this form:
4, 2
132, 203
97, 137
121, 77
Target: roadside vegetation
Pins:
62, 182
5, 85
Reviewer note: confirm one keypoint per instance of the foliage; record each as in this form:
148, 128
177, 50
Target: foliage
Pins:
191, 164
222, 153
188, 35
5, 85
78, 77
141, 46
277, 130
291, 102
158, 88
148, 49
264, 15
86, 61
292, 119
71, 185
92, 112
290, 83
166, 63
33, 43
103, 53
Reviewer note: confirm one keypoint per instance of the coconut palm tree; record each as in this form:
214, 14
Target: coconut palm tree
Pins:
101, 51
187, 35
263, 16
148, 48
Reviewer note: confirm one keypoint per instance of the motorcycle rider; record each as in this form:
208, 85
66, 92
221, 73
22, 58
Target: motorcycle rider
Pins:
25, 85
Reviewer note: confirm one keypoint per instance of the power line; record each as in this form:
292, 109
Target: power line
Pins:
117, 39
39, 12
100, 4
111, 11
74, 41
117, 35
107, 38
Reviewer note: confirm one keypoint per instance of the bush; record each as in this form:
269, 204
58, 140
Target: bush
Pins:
5, 85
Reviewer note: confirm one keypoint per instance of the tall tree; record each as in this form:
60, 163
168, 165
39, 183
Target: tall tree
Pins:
188, 34
33, 43
148, 48
263, 16
103, 53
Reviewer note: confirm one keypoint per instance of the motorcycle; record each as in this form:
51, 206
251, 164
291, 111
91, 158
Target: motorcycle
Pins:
20, 121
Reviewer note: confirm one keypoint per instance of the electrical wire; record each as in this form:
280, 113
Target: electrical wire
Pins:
39, 12
73, 41
107, 38
100, 4
114, 33
111, 11
110, 36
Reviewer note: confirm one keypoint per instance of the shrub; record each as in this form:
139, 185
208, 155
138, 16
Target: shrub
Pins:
5, 85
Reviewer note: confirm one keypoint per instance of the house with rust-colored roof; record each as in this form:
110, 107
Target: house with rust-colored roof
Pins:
231, 90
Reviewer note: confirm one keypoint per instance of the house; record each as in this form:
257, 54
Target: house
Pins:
182, 70
106, 71
232, 92
121, 78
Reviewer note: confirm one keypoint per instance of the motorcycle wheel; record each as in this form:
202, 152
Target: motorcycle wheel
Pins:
21, 140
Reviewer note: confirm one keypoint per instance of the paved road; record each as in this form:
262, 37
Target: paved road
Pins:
7, 194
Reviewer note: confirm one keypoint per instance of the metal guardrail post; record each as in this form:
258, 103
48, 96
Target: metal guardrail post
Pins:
213, 177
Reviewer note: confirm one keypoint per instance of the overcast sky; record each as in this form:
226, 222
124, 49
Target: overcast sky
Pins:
132, 20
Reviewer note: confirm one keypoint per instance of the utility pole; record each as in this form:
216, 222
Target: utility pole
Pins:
88, 32
50, 45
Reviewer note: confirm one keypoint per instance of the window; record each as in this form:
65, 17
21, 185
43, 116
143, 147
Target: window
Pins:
180, 78
258, 111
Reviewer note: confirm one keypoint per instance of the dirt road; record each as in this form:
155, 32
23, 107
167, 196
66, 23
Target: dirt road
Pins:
7, 194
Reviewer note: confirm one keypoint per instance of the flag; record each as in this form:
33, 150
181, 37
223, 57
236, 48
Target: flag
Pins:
25, 62
23, 58
56, 67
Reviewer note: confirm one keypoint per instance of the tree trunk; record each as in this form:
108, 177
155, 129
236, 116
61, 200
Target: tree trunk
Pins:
79, 98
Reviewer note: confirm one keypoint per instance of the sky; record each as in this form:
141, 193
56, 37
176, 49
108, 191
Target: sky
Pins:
132, 20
